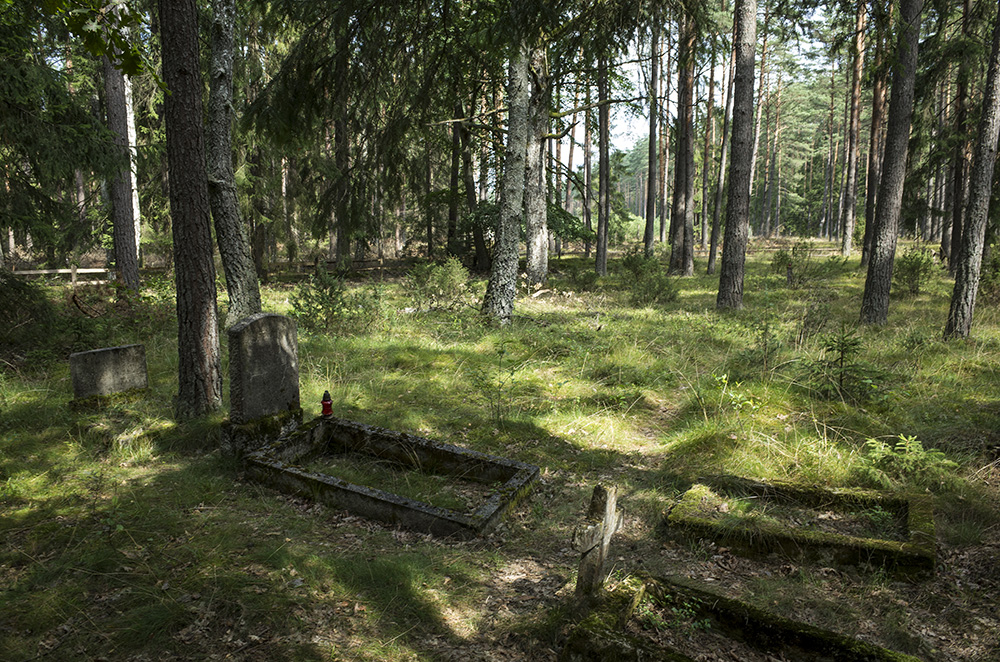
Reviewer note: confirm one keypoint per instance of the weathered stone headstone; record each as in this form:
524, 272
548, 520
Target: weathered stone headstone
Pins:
108, 371
263, 367
594, 538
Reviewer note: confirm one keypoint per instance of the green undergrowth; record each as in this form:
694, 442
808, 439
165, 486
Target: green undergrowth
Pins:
125, 533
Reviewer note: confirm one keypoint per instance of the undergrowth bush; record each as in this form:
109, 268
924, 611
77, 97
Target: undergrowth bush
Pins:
793, 264
913, 270
907, 461
440, 286
647, 280
325, 303
839, 375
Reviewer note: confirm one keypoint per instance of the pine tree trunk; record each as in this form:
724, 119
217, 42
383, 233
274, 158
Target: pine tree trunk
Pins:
535, 193
876, 142
199, 367
738, 208
126, 241
968, 267
960, 158
603, 168
230, 231
760, 96
588, 189
875, 302
682, 223
721, 183
498, 304
853, 131
706, 158
654, 76
452, 247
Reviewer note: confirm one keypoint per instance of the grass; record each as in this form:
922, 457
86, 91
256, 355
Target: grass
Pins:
126, 535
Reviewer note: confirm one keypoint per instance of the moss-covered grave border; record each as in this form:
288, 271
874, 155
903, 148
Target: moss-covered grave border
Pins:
601, 636
913, 557
280, 465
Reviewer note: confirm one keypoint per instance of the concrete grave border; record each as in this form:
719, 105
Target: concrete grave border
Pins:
913, 558
279, 466
601, 635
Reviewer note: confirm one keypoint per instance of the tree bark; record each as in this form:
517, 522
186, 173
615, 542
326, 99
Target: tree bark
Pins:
682, 224
968, 267
875, 302
230, 231
737, 210
498, 304
960, 158
535, 192
199, 367
713, 247
853, 131
126, 238
603, 168
650, 230
706, 158
876, 143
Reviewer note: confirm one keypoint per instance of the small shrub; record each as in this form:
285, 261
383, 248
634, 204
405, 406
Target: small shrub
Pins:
647, 280
441, 286
793, 264
907, 461
325, 303
913, 270
838, 374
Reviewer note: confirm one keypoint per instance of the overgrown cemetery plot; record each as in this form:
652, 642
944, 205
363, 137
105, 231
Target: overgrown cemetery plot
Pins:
858, 527
650, 618
400, 479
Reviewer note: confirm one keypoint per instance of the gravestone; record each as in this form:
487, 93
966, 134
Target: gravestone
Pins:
263, 367
107, 371
593, 540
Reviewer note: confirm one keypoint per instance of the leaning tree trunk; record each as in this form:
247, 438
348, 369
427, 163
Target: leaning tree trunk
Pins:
535, 189
498, 303
126, 239
199, 367
854, 129
969, 264
230, 232
875, 302
738, 208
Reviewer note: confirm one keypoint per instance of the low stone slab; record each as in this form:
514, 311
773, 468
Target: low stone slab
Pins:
913, 555
107, 371
604, 634
263, 367
281, 465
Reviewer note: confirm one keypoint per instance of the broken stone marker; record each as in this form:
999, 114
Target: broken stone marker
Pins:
594, 538
107, 371
264, 380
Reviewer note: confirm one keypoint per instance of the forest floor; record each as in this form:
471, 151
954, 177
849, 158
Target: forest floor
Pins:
125, 536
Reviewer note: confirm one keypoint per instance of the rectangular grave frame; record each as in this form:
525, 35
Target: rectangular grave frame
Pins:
602, 636
913, 558
279, 465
